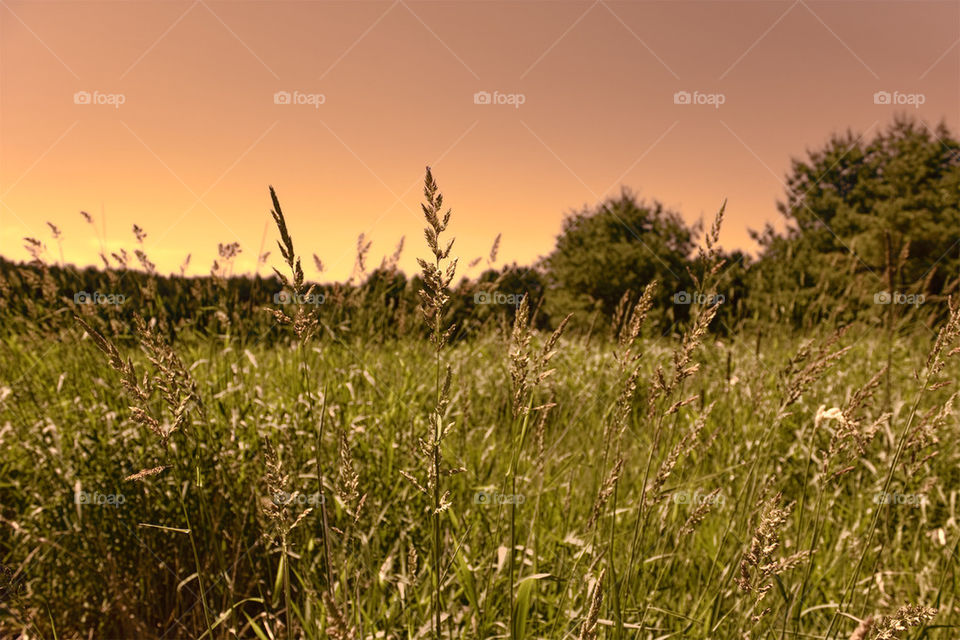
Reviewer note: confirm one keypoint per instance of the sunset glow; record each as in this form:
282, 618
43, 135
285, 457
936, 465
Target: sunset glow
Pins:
178, 115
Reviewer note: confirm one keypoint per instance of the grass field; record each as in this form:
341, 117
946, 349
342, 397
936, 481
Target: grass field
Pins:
615, 483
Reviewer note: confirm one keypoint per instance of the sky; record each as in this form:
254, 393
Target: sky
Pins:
176, 116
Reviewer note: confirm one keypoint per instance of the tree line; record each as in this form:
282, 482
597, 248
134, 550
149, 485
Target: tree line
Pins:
871, 233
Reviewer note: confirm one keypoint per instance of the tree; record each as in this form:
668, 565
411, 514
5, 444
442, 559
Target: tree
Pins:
621, 244
494, 297
884, 211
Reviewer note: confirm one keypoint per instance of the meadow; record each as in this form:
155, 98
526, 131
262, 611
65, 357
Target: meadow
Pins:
299, 473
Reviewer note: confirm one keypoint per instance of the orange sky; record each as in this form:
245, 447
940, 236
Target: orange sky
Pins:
198, 137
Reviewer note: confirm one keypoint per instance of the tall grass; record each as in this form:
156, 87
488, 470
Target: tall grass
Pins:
286, 483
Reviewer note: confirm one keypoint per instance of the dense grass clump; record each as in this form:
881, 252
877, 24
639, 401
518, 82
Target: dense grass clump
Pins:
518, 483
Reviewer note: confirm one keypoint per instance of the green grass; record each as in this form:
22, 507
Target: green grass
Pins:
66, 425
328, 478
